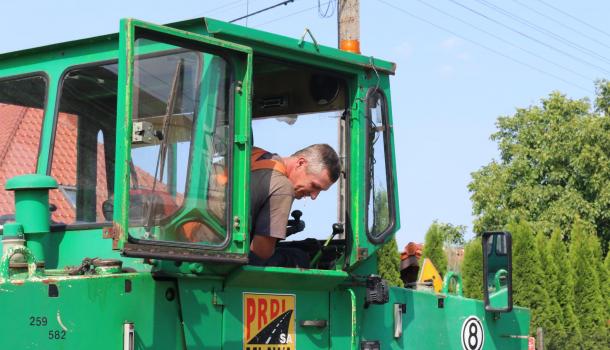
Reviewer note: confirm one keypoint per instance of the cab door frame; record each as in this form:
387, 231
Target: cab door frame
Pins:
234, 249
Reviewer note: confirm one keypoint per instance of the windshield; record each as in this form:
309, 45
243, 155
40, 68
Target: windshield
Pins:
173, 89
21, 112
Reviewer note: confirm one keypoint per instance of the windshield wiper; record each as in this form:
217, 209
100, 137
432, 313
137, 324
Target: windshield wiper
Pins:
163, 137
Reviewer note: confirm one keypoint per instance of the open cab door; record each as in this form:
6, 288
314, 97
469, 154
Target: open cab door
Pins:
183, 124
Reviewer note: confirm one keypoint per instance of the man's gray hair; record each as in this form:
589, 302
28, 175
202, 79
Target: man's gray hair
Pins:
319, 157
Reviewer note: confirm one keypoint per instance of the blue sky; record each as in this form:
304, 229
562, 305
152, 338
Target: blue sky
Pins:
461, 64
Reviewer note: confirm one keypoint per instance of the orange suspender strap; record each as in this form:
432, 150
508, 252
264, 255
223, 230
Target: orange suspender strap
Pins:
188, 229
256, 163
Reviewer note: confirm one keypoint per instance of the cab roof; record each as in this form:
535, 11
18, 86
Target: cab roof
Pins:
260, 41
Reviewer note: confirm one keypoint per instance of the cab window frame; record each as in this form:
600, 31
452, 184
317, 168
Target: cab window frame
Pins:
184, 44
373, 95
45, 102
46, 78
61, 227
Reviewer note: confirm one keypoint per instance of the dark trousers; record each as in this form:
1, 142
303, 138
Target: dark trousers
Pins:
284, 257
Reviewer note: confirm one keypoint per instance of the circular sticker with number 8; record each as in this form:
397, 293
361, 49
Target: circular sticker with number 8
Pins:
472, 334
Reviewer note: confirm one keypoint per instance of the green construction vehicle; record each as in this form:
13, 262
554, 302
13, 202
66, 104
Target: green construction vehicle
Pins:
125, 161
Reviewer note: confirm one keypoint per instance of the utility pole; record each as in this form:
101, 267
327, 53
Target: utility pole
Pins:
348, 21
348, 28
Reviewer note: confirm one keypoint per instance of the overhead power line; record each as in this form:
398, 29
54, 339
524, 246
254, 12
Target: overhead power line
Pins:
574, 18
262, 10
551, 18
292, 14
225, 6
478, 13
329, 11
542, 30
504, 40
483, 46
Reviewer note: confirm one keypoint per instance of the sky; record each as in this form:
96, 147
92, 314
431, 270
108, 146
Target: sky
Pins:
461, 65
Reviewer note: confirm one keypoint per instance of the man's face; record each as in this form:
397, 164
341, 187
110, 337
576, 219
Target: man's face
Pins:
308, 184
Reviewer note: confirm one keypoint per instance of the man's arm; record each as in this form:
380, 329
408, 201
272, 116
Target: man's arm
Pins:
263, 246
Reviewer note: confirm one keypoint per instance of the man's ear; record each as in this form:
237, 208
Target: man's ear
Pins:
302, 162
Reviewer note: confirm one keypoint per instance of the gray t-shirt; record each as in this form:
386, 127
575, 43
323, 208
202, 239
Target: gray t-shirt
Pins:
271, 197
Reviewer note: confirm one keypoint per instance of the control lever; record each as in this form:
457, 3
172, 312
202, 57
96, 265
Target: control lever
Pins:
296, 214
295, 224
337, 230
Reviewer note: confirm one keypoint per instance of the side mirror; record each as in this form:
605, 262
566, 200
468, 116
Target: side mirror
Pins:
497, 271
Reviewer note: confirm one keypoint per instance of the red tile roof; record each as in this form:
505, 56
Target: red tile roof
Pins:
19, 142
19, 139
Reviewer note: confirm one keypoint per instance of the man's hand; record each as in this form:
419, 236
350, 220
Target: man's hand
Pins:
263, 246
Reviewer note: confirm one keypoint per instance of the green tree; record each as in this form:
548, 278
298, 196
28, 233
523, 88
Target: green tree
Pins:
598, 263
561, 286
555, 336
553, 167
453, 234
388, 260
381, 212
472, 269
454, 242
528, 277
607, 286
434, 245
590, 305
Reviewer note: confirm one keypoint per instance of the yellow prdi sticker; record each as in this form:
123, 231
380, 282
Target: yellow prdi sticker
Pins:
269, 321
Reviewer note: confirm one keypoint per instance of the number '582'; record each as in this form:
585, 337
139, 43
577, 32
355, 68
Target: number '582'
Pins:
57, 335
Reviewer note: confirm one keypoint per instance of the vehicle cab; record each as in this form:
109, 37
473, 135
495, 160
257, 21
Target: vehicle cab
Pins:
148, 135
125, 162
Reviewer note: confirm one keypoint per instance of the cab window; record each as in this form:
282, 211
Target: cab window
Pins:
295, 106
83, 145
380, 198
22, 101
179, 178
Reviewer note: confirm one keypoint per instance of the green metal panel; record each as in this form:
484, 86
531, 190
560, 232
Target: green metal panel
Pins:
281, 46
429, 326
68, 248
278, 277
202, 313
89, 312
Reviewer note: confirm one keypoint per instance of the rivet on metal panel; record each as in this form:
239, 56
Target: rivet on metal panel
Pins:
111, 233
107, 232
236, 222
170, 294
216, 299
363, 253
